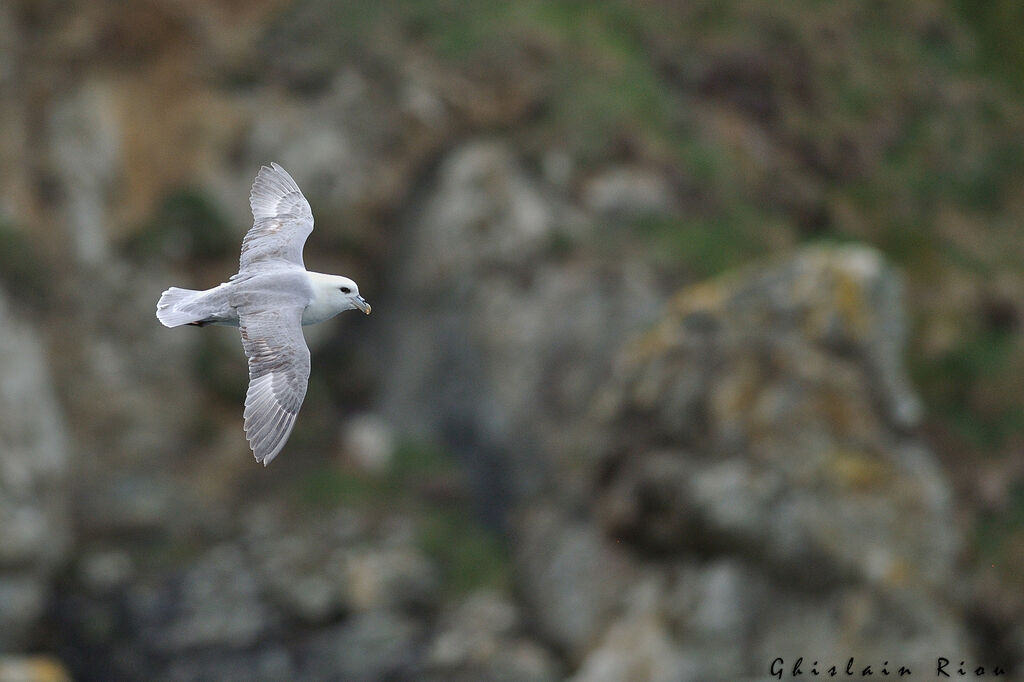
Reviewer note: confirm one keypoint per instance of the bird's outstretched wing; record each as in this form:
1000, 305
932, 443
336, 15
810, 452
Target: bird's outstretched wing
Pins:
278, 374
282, 220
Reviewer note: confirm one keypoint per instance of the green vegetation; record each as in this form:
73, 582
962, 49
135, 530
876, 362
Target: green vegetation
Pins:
705, 247
1000, 538
604, 77
996, 25
219, 365
469, 554
22, 269
187, 225
958, 385
342, 486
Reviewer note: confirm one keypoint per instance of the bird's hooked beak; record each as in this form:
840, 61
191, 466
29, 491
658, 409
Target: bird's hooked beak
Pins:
363, 305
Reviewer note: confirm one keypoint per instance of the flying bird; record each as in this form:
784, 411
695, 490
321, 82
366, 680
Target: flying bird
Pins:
270, 298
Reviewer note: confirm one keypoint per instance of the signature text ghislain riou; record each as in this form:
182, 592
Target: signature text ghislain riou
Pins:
944, 668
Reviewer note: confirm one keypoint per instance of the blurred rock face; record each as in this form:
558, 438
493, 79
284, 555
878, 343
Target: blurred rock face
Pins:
754, 459
497, 341
775, 415
35, 520
758, 445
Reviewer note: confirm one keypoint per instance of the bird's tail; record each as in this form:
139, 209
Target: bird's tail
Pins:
172, 308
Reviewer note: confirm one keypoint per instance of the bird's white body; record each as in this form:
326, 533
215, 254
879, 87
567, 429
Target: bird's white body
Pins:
269, 300
327, 295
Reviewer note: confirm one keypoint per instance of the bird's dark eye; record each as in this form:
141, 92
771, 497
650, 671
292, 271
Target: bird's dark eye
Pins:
346, 290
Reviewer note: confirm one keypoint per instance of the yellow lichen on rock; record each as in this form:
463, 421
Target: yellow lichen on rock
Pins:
854, 470
32, 669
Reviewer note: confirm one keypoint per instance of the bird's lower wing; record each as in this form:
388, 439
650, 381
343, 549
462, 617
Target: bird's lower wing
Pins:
278, 374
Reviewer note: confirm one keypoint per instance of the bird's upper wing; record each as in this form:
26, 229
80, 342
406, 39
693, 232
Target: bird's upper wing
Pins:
282, 220
278, 373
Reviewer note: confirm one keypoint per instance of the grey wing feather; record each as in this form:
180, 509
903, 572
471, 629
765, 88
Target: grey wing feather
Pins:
282, 220
278, 374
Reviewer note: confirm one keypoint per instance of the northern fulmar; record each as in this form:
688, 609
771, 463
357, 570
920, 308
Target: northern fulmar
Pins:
270, 298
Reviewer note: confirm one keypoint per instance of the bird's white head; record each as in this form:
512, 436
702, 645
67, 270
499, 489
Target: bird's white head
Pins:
333, 294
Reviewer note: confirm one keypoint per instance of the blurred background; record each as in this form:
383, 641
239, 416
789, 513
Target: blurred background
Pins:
696, 339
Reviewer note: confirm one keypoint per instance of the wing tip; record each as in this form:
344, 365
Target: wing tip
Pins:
271, 185
274, 167
267, 436
266, 172
267, 457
